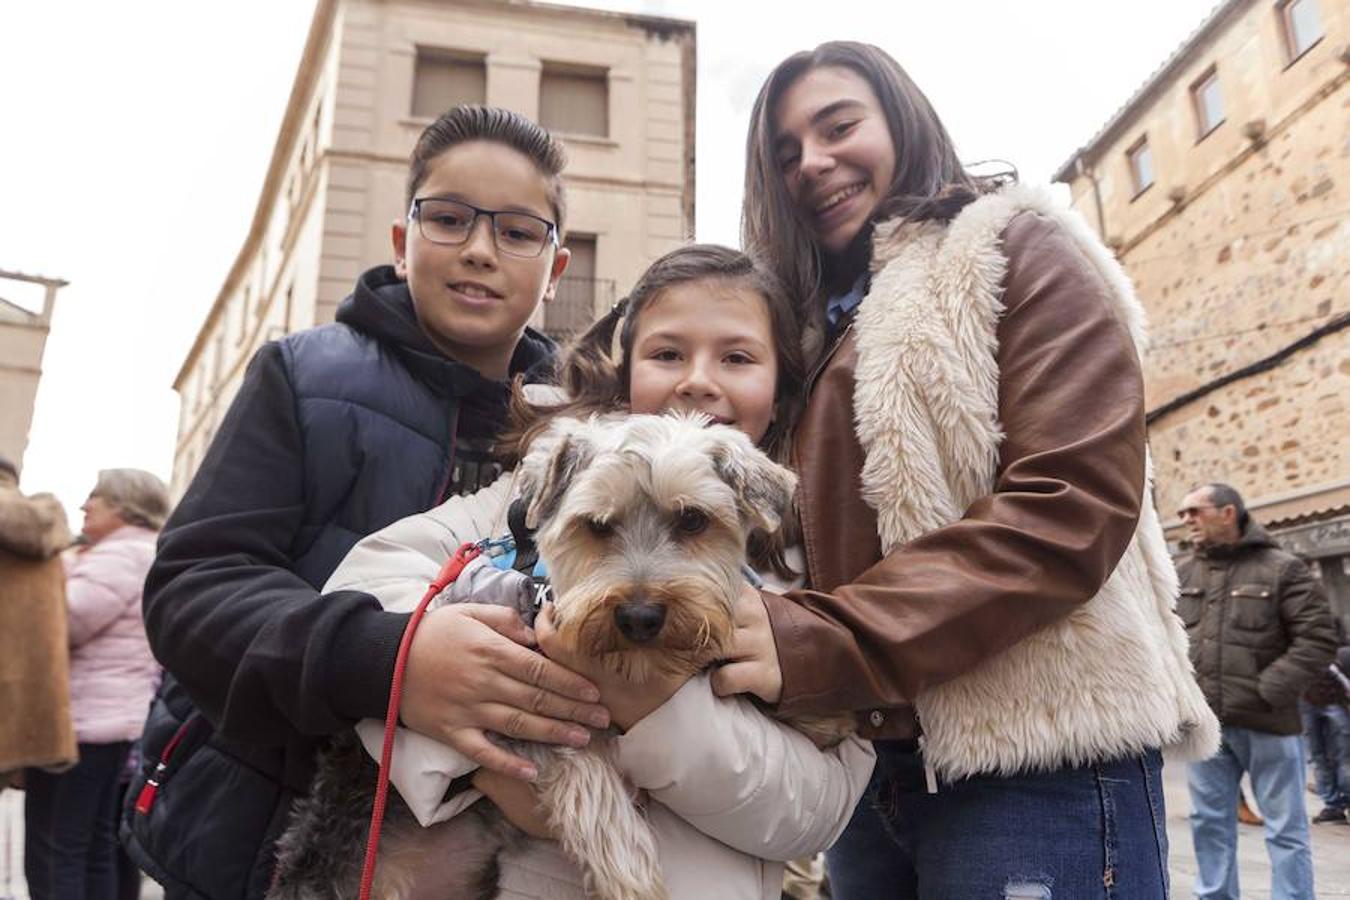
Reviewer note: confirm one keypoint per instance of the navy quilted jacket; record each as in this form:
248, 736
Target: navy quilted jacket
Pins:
336, 432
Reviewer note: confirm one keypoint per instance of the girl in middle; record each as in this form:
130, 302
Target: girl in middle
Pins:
733, 792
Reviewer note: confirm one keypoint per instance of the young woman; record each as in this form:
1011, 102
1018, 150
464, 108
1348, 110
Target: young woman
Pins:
733, 792
989, 586
338, 431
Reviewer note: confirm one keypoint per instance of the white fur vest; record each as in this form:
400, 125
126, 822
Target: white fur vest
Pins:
1113, 677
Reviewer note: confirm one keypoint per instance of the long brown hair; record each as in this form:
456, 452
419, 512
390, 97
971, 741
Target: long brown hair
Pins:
930, 182
595, 380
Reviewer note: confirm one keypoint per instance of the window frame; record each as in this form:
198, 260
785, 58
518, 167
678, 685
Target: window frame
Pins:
444, 55
601, 74
1283, 12
1131, 155
1208, 78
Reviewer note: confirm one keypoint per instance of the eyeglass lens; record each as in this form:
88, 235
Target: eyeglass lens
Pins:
451, 222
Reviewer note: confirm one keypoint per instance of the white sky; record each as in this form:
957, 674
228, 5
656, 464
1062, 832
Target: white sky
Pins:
136, 136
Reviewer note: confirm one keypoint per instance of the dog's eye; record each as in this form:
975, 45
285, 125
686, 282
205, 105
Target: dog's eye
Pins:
691, 521
600, 528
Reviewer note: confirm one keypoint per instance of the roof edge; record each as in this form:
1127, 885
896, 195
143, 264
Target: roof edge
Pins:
306, 76
1214, 22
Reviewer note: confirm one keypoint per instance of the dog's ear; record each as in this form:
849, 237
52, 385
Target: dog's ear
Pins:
764, 489
553, 460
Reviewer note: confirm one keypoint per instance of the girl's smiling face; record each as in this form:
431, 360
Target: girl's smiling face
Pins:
472, 300
706, 346
834, 149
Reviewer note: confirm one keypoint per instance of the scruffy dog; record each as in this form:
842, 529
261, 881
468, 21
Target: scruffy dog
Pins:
642, 522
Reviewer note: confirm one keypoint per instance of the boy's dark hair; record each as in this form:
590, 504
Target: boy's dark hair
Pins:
8, 468
596, 382
1222, 495
492, 123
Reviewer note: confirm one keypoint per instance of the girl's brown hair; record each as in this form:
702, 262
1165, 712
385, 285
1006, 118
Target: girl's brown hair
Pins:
930, 182
466, 123
595, 381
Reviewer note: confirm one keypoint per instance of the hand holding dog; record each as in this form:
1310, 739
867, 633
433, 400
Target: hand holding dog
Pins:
470, 670
517, 800
752, 667
628, 703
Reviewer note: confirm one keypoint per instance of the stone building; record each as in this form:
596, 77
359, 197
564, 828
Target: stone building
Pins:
617, 89
1223, 185
23, 337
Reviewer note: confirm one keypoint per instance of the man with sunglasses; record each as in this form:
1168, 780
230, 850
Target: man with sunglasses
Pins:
1260, 631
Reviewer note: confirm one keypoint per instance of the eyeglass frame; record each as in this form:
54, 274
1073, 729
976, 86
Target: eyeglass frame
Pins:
415, 210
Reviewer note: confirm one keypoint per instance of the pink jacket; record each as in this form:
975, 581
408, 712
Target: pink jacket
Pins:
112, 672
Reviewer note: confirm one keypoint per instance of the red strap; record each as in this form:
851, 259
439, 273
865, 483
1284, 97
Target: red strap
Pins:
145, 800
449, 572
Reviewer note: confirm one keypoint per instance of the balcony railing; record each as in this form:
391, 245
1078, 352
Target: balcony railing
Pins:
577, 304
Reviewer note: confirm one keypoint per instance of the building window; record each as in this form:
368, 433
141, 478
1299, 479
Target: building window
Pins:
572, 309
1141, 166
1301, 24
574, 100
1208, 102
443, 79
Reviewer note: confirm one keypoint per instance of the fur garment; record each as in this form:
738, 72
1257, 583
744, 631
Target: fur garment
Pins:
35, 723
1113, 677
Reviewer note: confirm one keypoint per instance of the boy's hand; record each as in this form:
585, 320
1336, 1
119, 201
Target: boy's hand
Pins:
752, 667
470, 670
628, 703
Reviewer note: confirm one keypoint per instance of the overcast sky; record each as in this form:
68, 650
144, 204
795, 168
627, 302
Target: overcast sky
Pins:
136, 136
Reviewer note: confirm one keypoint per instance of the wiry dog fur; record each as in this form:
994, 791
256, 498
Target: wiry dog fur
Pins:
643, 522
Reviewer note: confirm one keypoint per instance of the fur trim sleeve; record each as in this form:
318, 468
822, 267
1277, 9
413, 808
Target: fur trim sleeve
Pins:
32, 526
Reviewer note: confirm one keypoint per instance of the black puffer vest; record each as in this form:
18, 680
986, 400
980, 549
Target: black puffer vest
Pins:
384, 429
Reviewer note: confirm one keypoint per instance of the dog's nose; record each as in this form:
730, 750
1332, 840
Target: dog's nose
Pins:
640, 620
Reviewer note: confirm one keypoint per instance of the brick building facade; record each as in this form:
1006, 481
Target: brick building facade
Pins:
1223, 185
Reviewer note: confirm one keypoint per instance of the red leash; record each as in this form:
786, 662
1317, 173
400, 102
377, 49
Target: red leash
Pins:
449, 572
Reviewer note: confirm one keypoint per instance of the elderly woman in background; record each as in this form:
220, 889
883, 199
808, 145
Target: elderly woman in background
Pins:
70, 818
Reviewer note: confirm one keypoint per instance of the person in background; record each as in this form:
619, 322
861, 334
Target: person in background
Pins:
1326, 730
35, 726
70, 818
1260, 631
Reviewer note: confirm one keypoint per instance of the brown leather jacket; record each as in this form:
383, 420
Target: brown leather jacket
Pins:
872, 631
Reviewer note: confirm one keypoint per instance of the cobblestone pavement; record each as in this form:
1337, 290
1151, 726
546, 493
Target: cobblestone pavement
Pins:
1331, 850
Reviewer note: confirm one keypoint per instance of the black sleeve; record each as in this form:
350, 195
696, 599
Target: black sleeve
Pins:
259, 650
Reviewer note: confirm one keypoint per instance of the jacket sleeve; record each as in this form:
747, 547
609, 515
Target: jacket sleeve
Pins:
32, 526
395, 565
1306, 618
1066, 499
742, 778
100, 586
260, 651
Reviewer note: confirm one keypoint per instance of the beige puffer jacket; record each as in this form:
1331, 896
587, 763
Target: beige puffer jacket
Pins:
732, 793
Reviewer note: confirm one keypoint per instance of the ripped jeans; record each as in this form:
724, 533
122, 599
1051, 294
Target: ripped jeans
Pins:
1097, 831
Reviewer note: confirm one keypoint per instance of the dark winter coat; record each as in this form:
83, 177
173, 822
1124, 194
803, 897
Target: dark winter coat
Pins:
1260, 630
335, 433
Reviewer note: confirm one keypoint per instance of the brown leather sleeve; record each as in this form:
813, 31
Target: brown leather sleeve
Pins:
1067, 497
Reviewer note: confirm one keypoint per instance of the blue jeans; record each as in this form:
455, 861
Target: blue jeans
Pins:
1327, 732
70, 826
1275, 763
1095, 831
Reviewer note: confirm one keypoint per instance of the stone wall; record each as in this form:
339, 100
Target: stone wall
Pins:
1239, 248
